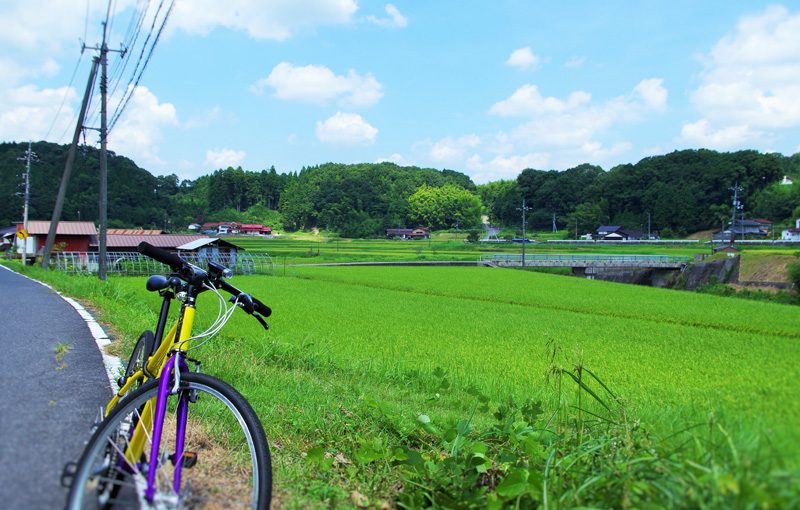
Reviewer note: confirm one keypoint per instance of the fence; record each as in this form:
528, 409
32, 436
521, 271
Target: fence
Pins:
582, 260
134, 263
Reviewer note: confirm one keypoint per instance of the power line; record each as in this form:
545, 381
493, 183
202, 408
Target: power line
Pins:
130, 90
64, 98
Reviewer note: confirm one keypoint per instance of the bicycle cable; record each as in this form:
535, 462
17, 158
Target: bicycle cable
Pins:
224, 313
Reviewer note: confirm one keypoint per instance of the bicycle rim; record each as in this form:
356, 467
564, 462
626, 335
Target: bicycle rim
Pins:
224, 441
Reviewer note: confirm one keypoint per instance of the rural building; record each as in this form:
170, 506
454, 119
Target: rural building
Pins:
71, 235
617, 233
787, 181
730, 249
741, 228
221, 227
792, 234
132, 232
408, 233
122, 242
211, 248
254, 229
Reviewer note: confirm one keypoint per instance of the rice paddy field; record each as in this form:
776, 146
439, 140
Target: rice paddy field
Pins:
350, 346
443, 246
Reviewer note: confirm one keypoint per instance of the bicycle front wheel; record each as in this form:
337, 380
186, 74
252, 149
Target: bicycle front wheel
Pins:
225, 464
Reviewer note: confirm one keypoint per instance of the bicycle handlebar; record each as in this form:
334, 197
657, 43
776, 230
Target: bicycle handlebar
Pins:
179, 265
175, 262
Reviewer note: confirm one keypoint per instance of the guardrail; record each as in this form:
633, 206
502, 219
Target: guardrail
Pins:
585, 260
134, 263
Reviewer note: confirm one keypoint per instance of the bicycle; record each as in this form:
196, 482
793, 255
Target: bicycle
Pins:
173, 437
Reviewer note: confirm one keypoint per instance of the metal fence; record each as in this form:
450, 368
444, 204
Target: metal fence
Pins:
134, 263
587, 260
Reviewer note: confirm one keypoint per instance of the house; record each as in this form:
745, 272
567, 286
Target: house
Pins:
605, 230
132, 232
194, 226
71, 235
254, 229
130, 242
792, 234
617, 233
408, 233
7, 237
221, 227
211, 248
741, 228
729, 249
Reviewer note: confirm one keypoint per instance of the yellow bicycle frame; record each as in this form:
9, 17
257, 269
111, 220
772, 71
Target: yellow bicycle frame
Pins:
155, 365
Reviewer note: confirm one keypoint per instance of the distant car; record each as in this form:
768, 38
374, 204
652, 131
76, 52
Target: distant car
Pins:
521, 240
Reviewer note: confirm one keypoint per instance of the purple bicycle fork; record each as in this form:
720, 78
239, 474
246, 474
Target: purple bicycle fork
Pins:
165, 382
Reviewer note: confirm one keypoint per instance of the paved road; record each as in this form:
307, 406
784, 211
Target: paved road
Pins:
46, 405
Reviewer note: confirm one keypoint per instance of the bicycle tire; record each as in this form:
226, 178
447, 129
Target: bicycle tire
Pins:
231, 468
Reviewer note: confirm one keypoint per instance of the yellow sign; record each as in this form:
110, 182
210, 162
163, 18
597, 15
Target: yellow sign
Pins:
22, 233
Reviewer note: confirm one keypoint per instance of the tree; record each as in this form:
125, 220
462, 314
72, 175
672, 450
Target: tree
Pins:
444, 207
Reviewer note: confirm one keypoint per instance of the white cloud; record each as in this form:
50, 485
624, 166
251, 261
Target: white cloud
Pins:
224, 158
138, 132
652, 93
751, 83
395, 19
27, 112
575, 62
450, 151
504, 167
527, 100
275, 20
318, 84
702, 134
346, 128
395, 158
555, 132
524, 58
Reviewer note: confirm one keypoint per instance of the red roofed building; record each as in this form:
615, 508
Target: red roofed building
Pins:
73, 235
254, 229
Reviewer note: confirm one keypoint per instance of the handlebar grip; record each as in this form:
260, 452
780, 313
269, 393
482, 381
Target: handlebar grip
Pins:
258, 306
172, 260
261, 308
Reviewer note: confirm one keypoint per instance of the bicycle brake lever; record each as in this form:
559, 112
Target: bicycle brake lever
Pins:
262, 321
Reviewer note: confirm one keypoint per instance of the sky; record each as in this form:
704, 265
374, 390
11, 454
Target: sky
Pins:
487, 88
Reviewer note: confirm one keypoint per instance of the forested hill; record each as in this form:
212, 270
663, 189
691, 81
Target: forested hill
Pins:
683, 191
356, 200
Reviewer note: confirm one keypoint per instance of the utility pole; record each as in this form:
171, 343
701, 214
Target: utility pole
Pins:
649, 236
101, 237
555, 228
576, 228
736, 206
62, 189
524, 208
29, 155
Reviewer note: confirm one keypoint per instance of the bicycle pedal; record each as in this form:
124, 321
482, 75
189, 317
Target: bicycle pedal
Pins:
68, 473
189, 459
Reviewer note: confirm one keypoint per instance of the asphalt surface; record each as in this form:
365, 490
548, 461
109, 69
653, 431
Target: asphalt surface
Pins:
47, 405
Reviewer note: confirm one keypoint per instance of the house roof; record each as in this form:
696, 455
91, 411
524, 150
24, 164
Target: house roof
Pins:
132, 232
169, 241
609, 228
65, 228
199, 243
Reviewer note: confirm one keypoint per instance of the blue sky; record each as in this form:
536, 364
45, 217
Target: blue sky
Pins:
486, 88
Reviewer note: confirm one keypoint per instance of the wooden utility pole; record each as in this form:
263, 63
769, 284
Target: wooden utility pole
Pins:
524, 208
101, 270
62, 189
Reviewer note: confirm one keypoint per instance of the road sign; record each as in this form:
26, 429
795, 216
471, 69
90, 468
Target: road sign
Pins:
22, 233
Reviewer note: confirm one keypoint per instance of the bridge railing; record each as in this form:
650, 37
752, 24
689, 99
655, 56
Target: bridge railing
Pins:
586, 260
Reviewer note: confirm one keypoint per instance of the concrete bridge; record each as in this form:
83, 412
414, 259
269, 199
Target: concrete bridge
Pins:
588, 264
